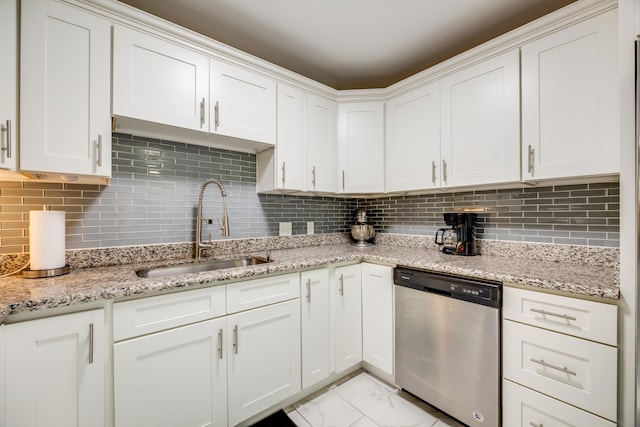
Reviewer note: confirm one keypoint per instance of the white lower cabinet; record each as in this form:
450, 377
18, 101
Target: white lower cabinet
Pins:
264, 358
576, 370
377, 316
347, 316
55, 371
173, 378
315, 324
523, 407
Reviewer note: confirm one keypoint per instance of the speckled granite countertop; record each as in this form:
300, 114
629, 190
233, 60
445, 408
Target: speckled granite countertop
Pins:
103, 283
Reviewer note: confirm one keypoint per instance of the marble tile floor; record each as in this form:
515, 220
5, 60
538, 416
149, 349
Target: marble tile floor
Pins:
362, 400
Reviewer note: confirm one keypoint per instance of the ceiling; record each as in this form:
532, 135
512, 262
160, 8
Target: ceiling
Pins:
351, 44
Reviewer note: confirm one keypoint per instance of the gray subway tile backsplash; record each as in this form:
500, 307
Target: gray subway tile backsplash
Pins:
154, 188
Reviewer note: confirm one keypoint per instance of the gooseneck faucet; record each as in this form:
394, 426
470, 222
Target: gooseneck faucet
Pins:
224, 227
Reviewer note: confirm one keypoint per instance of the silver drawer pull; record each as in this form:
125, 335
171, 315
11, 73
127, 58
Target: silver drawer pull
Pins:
220, 343
549, 365
7, 128
532, 424
550, 313
342, 284
309, 291
90, 343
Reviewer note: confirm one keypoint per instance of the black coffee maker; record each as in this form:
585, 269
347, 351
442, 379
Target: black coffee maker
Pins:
460, 238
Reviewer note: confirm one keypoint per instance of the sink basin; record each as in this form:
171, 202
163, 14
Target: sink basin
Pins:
199, 267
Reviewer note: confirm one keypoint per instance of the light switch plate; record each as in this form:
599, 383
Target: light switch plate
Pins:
310, 227
285, 229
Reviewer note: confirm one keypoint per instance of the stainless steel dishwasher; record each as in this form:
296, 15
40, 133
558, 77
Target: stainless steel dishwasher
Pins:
448, 343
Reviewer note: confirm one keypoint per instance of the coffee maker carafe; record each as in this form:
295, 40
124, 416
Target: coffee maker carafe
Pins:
460, 237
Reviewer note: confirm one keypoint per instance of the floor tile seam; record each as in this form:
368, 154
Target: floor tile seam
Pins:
363, 415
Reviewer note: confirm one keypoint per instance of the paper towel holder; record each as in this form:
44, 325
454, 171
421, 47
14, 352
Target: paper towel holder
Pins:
44, 273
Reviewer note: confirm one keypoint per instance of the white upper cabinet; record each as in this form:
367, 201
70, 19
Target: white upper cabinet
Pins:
570, 100
291, 146
158, 81
412, 142
361, 147
8, 84
322, 133
242, 103
65, 82
481, 123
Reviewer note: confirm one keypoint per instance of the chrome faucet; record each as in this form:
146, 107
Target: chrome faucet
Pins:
224, 227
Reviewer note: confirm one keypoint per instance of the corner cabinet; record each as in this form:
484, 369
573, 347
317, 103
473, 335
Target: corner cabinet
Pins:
480, 116
9, 84
570, 101
347, 316
377, 316
55, 371
361, 147
159, 81
412, 142
65, 82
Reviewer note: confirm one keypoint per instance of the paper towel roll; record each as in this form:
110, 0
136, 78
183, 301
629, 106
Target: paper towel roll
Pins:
46, 239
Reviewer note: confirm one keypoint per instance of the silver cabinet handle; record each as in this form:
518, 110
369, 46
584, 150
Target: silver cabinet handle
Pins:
532, 424
202, 112
341, 284
444, 170
433, 172
309, 291
7, 128
217, 115
552, 366
220, 343
90, 343
99, 148
235, 339
313, 177
283, 172
342, 179
530, 160
550, 313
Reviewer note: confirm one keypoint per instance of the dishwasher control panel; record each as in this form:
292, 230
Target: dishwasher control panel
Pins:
472, 290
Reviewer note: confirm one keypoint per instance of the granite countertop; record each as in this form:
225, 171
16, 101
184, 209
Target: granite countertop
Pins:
103, 283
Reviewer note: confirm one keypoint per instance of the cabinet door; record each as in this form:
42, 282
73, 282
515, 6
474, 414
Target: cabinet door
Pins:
377, 316
55, 369
412, 143
361, 147
8, 84
264, 361
65, 90
481, 123
243, 103
158, 81
316, 326
291, 145
173, 378
322, 133
570, 100
347, 317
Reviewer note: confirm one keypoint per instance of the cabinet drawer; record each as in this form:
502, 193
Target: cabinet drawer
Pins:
581, 318
523, 407
259, 292
576, 371
147, 315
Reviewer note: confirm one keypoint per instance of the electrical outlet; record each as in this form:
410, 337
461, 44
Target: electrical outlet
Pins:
285, 229
310, 227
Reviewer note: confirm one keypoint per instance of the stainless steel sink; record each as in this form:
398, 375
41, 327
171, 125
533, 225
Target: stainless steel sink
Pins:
197, 267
